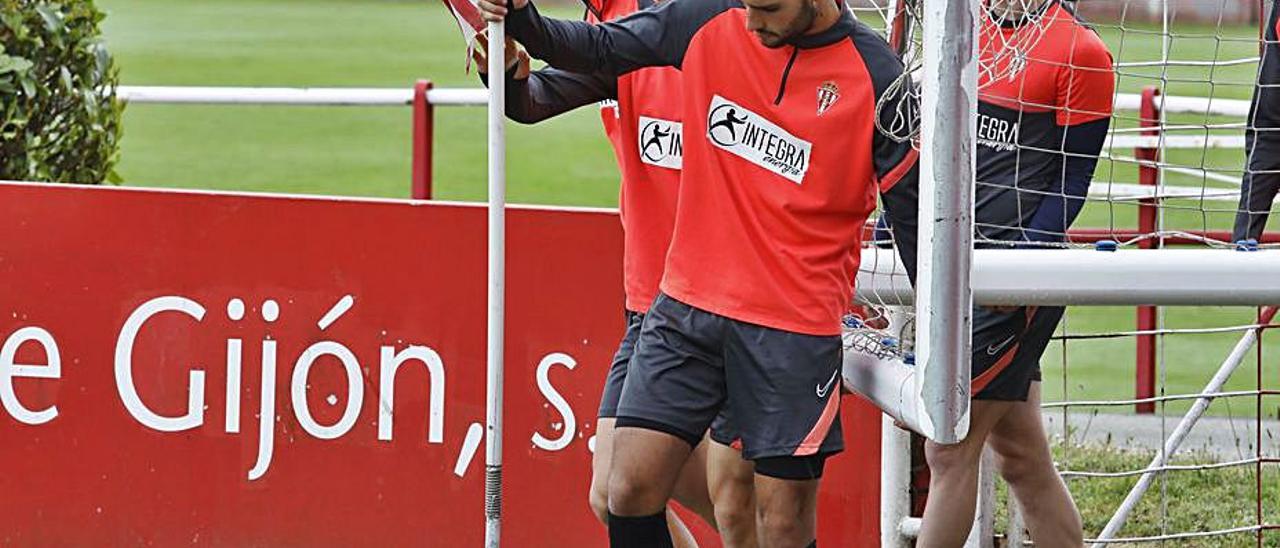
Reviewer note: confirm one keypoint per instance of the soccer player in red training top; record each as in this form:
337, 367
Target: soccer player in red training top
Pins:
641, 114
1041, 125
782, 164
1262, 140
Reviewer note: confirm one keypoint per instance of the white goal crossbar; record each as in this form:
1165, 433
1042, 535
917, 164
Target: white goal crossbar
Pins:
1062, 277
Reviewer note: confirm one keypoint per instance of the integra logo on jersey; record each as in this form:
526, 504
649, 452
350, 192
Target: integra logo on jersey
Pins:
661, 142
997, 133
757, 140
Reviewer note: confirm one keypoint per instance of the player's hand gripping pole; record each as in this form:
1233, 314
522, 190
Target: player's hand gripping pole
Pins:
496, 285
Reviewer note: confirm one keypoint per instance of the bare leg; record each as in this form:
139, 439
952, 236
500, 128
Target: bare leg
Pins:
1024, 460
953, 482
599, 498
786, 512
644, 469
600, 461
731, 481
691, 489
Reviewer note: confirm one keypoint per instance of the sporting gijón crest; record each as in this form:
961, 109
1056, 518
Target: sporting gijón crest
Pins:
828, 94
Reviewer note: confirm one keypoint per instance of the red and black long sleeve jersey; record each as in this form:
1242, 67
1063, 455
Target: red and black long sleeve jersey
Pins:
641, 115
1041, 126
782, 156
645, 129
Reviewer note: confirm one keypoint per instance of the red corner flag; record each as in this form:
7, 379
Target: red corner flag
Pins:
467, 14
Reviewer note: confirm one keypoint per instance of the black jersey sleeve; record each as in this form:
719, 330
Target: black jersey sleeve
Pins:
1261, 180
658, 36
893, 152
1081, 146
900, 196
550, 92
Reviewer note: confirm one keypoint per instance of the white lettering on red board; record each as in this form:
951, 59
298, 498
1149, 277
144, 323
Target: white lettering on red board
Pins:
51, 369
391, 359
569, 423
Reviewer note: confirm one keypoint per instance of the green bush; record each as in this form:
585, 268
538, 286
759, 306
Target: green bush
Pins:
59, 115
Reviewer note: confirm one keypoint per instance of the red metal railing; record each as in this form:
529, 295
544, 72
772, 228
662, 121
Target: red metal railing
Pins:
1148, 175
424, 123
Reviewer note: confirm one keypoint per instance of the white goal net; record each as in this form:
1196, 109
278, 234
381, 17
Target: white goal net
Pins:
1164, 418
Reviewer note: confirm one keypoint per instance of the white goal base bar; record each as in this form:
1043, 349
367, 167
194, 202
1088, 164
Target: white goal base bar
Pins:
889, 383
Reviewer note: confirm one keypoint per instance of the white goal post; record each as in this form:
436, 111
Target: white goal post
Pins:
1171, 166
948, 99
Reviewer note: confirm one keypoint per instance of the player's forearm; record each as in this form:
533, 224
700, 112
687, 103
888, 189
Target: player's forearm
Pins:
548, 93
552, 93
657, 36
570, 45
902, 206
1057, 212
520, 105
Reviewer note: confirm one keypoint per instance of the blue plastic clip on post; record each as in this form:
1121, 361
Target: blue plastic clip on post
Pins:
1106, 245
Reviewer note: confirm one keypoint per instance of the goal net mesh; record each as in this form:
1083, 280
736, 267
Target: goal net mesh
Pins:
1118, 381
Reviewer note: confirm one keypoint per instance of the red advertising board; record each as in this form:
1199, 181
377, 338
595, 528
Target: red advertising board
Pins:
196, 368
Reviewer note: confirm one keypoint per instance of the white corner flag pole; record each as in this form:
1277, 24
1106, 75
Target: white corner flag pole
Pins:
497, 283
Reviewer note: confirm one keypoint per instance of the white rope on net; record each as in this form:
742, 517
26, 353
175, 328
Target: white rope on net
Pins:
1178, 536
1179, 331
1068, 474
1156, 399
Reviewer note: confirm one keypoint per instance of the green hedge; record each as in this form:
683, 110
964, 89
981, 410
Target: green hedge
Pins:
59, 115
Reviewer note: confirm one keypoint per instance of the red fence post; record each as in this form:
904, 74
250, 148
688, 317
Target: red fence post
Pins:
423, 140
1148, 175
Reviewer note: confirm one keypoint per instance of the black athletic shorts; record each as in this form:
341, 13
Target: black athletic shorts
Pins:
1006, 350
618, 369
779, 389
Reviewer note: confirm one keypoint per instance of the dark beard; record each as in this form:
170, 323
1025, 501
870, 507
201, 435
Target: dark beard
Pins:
804, 21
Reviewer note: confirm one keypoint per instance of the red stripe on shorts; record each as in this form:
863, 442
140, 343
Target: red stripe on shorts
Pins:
978, 384
813, 441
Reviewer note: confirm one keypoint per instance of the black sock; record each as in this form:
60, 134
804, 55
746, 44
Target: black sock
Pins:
639, 531
814, 544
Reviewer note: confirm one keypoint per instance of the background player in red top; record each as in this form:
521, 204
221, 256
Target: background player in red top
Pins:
782, 164
641, 115
1040, 129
